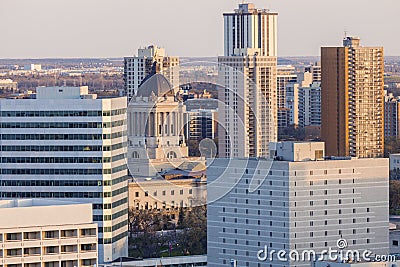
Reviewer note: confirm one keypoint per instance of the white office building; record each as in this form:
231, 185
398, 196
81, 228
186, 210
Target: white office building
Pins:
137, 68
47, 233
299, 201
67, 144
247, 111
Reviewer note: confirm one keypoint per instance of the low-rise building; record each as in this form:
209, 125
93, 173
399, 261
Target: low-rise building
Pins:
47, 233
182, 261
182, 187
33, 67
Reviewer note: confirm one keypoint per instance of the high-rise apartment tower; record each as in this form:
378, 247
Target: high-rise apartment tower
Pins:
353, 99
138, 67
248, 100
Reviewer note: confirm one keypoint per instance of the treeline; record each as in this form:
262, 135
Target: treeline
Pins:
155, 233
96, 82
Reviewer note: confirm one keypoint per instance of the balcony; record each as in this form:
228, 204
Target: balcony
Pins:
36, 251
88, 232
13, 237
69, 249
88, 262
88, 247
69, 233
50, 234
51, 250
29, 236
16, 252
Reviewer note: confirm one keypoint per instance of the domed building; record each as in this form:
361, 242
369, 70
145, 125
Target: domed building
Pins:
156, 128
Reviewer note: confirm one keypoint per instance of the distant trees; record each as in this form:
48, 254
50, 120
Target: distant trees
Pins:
97, 82
392, 146
292, 133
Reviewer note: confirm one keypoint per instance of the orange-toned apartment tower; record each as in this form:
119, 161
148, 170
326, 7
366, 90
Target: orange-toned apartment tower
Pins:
353, 100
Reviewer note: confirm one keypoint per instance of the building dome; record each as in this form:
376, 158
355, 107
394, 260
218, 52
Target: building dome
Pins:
157, 84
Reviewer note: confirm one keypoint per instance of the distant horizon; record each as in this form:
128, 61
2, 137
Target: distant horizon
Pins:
121, 58
98, 29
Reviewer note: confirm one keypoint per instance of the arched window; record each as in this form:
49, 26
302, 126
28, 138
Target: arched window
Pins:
135, 155
171, 155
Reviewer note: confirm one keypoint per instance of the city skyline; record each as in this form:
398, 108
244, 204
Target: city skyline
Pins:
119, 28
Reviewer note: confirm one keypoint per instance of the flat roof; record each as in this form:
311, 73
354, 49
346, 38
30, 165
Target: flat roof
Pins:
24, 203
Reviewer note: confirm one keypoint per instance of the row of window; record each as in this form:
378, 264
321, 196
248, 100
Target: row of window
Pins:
63, 113
155, 193
62, 182
52, 148
119, 214
119, 191
63, 171
46, 183
54, 171
114, 239
63, 160
115, 169
118, 180
119, 202
59, 194
61, 136
69, 125
51, 194
63, 148
119, 225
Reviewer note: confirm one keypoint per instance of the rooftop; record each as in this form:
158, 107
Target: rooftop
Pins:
16, 213
155, 85
23, 203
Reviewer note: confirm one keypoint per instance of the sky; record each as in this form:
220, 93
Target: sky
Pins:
117, 28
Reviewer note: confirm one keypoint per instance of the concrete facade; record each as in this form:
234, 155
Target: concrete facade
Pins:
43, 233
167, 194
310, 105
295, 205
156, 127
353, 100
247, 109
250, 27
66, 144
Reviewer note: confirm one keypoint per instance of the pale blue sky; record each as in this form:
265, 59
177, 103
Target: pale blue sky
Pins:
116, 28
